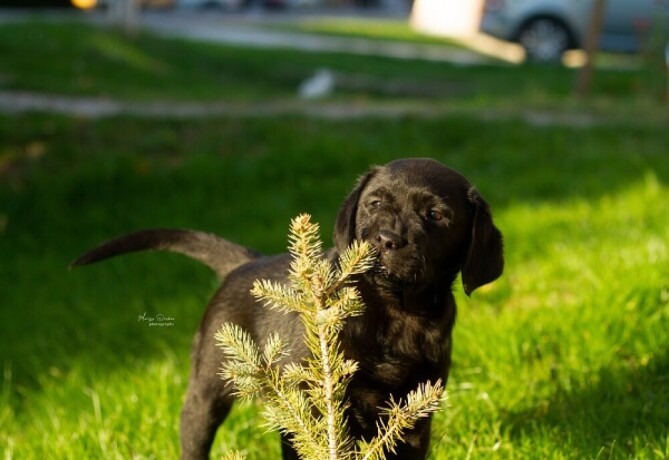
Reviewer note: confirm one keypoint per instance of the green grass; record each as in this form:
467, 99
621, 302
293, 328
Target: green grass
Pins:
564, 357
77, 59
391, 30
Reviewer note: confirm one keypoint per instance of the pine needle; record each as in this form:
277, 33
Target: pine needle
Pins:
306, 400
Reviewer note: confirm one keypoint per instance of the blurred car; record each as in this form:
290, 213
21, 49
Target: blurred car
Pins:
156, 3
238, 4
226, 4
145, 4
548, 28
35, 3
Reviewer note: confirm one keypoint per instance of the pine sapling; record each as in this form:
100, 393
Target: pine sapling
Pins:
306, 399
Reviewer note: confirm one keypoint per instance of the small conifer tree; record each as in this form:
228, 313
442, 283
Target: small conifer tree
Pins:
306, 400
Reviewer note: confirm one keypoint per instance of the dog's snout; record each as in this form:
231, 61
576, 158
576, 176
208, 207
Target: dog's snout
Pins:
389, 240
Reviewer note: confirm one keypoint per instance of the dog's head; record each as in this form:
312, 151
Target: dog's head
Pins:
427, 222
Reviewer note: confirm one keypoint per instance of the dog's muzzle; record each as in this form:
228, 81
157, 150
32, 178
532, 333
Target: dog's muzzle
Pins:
398, 260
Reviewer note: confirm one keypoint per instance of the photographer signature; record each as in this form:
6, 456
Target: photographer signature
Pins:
158, 320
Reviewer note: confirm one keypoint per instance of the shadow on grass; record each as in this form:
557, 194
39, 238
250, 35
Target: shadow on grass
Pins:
102, 314
617, 415
243, 179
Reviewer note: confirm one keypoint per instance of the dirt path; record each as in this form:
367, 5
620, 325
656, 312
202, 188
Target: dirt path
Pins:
92, 107
22, 102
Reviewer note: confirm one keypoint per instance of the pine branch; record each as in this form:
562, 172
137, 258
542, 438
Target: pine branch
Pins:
358, 258
290, 412
237, 344
306, 400
233, 456
333, 421
255, 377
277, 296
420, 403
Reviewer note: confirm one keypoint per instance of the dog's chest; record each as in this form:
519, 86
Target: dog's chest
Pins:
396, 349
396, 353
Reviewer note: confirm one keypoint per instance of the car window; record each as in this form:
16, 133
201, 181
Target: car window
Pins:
629, 17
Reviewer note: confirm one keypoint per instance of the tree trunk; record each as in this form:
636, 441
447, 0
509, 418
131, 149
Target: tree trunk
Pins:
591, 46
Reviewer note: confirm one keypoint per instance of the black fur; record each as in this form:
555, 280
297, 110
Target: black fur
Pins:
428, 224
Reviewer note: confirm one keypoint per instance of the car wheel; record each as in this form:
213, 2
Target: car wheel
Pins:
544, 40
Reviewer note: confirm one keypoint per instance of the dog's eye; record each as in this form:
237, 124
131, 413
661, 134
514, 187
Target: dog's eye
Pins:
375, 203
435, 215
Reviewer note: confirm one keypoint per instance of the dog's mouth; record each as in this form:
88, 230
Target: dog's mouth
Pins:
398, 269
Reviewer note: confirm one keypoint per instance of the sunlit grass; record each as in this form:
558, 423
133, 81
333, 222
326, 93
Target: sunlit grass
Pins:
563, 357
125, 54
394, 30
81, 60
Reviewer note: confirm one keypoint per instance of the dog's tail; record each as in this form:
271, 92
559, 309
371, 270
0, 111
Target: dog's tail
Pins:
219, 254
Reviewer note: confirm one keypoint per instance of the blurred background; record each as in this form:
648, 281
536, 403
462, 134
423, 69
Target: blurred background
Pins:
233, 116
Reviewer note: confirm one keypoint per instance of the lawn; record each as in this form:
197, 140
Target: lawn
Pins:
387, 29
564, 357
74, 58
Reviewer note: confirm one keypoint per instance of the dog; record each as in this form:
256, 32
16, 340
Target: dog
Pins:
427, 223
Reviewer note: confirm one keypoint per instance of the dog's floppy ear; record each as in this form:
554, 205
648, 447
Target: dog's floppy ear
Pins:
485, 258
344, 230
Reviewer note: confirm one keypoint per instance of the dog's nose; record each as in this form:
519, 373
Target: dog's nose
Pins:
389, 240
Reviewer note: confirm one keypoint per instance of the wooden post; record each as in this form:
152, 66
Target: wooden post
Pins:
591, 46
666, 72
124, 14
666, 62
130, 16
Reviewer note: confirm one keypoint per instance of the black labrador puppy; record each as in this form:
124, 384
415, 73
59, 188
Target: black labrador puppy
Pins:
428, 224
